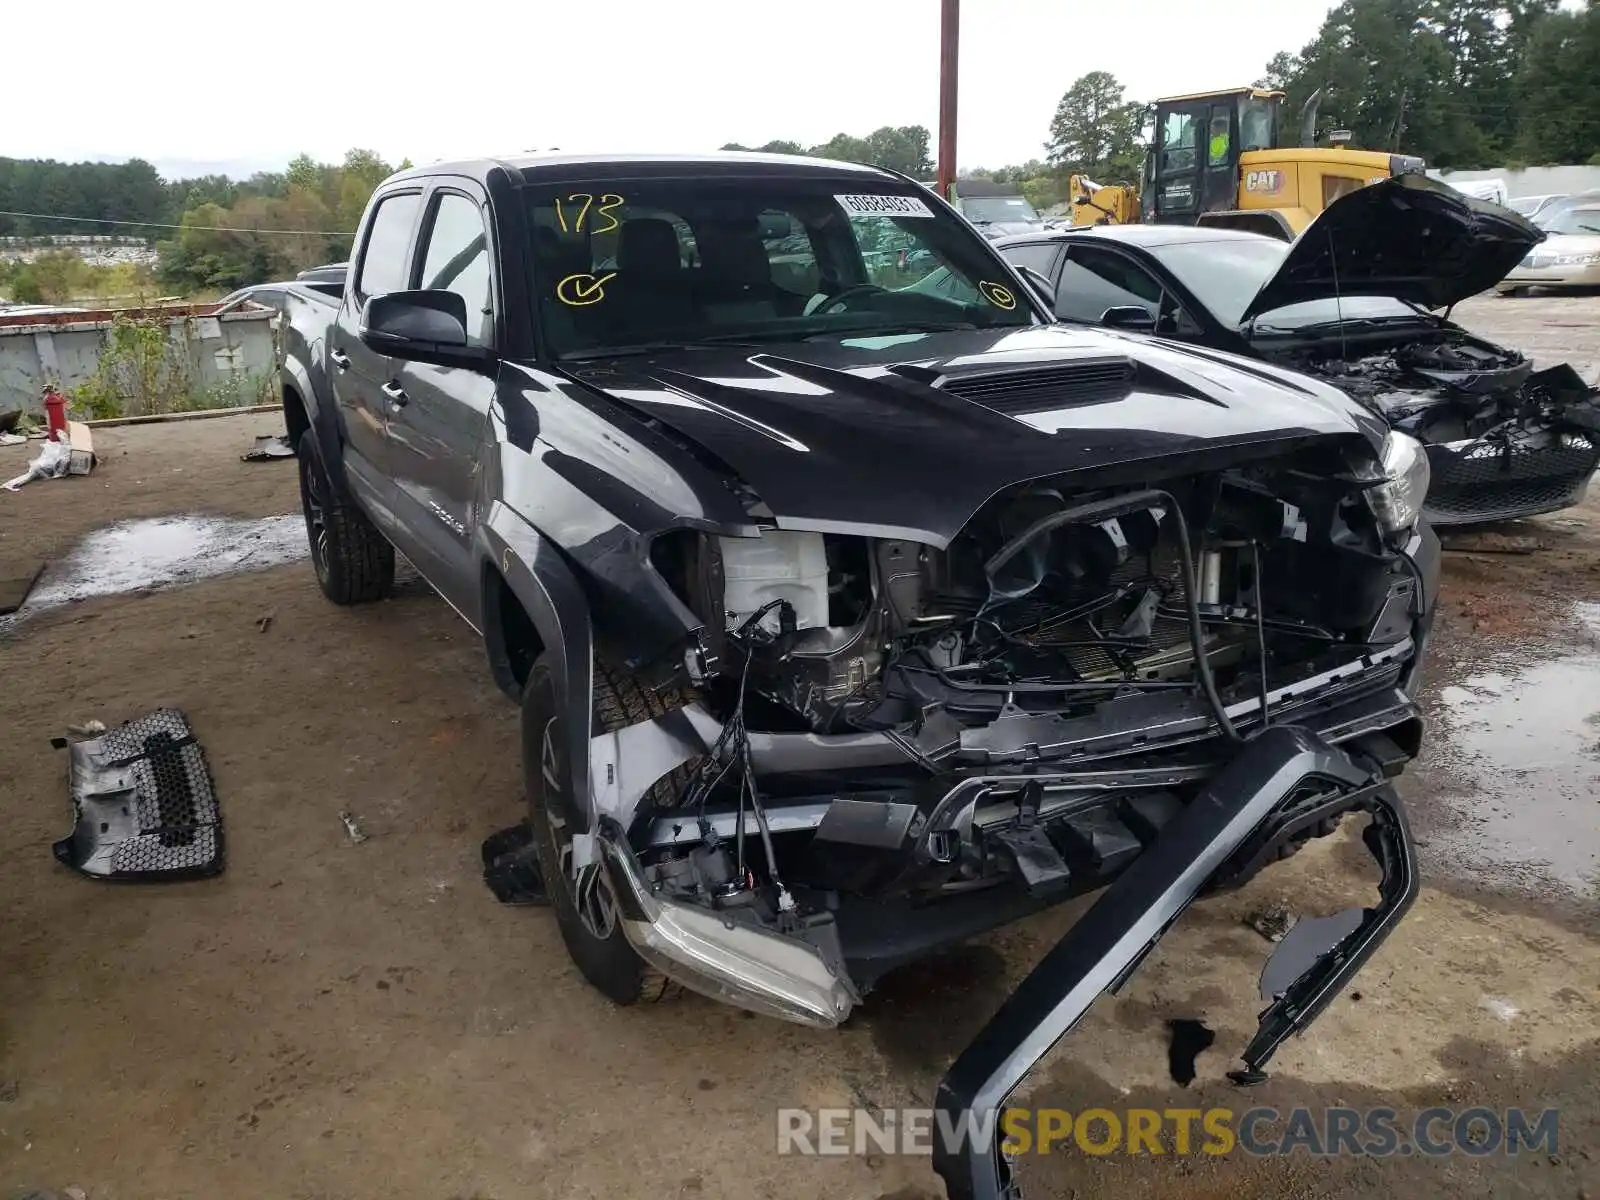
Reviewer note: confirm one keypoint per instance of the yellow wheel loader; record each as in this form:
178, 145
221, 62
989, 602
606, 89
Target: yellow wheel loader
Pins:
1217, 159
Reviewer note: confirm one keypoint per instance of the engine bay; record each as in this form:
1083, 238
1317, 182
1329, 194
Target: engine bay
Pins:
1047, 602
1445, 388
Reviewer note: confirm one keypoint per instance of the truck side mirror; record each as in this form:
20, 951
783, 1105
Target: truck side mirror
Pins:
1129, 316
415, 324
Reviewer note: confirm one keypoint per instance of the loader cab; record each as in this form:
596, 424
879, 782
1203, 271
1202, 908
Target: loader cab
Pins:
1194, 160
1219, 159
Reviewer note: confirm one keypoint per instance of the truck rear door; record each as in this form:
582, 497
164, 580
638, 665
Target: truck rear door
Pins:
362, 377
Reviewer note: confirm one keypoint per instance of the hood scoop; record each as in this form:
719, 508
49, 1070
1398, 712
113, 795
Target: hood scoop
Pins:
1017, 391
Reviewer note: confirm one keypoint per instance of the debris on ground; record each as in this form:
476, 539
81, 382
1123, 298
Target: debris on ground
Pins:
143, 803
1493, 543
12, 439
352, 828
1189, 1038
53, 462
264, 621
74, 1192
1272, 922
1499, 1007
87, 729
8, 1091
16, 581
268, 447
510, 868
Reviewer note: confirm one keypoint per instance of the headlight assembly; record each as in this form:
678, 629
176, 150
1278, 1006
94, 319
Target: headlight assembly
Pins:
1397, 501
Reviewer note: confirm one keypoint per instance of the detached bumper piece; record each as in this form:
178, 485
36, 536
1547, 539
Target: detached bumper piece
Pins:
1279, 783
143, 803
1521, 471
1493, 481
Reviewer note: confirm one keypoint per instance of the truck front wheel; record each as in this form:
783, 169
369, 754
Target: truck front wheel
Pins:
353, 561
585, 907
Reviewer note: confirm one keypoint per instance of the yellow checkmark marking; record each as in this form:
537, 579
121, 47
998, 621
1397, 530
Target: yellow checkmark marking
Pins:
583, 289
997, 294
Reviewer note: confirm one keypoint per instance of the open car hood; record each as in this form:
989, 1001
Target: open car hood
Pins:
1410, 237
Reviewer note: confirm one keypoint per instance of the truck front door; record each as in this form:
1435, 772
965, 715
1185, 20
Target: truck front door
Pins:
361, 376
439, 415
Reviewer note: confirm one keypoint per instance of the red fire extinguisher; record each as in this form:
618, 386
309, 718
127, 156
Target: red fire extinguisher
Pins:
55, 409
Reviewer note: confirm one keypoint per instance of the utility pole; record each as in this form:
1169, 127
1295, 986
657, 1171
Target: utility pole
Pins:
949, 37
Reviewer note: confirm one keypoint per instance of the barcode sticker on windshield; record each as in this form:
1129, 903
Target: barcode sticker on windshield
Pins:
883, 206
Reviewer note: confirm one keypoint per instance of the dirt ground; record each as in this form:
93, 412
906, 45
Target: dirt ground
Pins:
329, 1019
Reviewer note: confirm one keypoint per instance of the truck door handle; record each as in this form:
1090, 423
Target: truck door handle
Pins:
396, 393
340, 359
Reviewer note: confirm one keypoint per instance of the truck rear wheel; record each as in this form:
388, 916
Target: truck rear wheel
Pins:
353, 561
586, 908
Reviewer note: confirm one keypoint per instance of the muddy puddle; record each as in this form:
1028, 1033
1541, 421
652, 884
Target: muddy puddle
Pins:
134, 556
1518, 739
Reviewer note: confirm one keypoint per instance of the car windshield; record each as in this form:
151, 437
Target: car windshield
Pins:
998, 208
1574, 220
1226, 273
622, 265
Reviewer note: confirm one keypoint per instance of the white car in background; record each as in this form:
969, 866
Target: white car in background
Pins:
1568, 257
1532, 206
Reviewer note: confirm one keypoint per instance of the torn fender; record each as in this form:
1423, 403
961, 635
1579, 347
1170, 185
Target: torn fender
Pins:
550, 594
1108, 942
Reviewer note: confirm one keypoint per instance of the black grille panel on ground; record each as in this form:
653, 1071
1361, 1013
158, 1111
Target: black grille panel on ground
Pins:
1488, 487
144, 803
1092, 381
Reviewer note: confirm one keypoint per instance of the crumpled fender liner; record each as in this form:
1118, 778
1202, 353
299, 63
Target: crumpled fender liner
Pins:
1108, 942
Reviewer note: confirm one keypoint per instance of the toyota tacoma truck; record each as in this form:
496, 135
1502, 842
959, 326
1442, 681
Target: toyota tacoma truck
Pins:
850, 619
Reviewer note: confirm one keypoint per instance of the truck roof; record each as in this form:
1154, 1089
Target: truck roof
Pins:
558, 165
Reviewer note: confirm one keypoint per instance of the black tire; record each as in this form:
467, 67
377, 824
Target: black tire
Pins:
586, 913
353, 561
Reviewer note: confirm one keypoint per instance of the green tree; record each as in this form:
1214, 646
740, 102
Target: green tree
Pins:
1446, 79
1097, 130
842, 146
902, 148
1557, 89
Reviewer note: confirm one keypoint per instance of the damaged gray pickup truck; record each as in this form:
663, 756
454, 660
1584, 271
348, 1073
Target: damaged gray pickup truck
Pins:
848, 619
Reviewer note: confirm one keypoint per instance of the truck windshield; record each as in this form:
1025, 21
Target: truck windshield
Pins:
623, 264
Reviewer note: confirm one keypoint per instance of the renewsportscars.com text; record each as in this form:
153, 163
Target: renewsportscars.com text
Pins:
1369, 1132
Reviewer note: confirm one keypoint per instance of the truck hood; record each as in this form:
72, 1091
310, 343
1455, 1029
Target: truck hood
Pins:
909, 435
1410, 237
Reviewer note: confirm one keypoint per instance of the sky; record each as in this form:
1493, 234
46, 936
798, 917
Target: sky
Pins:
198, 86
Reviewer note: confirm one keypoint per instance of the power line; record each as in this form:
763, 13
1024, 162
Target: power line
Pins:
4, 212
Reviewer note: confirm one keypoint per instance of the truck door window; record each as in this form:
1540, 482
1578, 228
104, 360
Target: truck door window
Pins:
383, 259
456, 259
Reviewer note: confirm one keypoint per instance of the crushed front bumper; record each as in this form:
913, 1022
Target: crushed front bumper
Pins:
1283, 779
1521, 470
1486, 481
